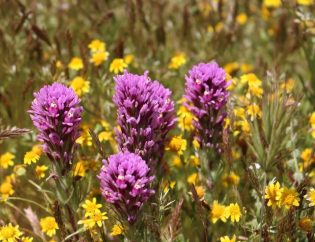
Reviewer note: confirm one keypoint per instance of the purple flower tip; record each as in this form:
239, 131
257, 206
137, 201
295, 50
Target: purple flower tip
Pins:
125, 182
56, 113
206, 94
145, 115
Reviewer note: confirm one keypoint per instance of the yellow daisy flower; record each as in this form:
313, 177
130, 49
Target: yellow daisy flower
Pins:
177, 144
310, 196
31, 157
6, 160
177, 61
99, 57
116, 230
6, 190
97, 46
273, 193
272, 3
10, 233
76, 64
49, 226
40, 171
227, 239
234, 212
289, 198
117, 65
218, 211
91, 206
80, 86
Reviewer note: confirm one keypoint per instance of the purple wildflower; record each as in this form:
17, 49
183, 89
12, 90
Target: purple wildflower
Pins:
145, 115
56, 113
125, 183
206, 97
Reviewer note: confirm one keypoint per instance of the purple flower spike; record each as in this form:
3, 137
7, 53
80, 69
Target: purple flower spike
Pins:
145, 115
206, 97
125, 182
56, 113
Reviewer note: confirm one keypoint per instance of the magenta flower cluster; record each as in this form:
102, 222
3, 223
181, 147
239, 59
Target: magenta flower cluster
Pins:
206, 94
145, 115
125, 182
56, 113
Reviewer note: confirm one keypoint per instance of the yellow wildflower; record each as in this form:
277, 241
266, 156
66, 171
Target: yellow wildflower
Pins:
239, 112
196, 144
305, 224
37, 149
289, 197
307, 157
97, 46
176, 161
31, 157
312, 122
10, 233
80, 86
168, 185
27, 239
227, 239
288, 85
244, 125
218, 211
128, 59
273, 193
231, 179
210, 29
40, 171
265, 12
219, 27
49, 225
91, 206
235, 154
251, 80
177, 144
194, 160
255, 91
99, 57
95, 218
192, 178
254, 111
76, 64
312, 119
227, 123
79, 169
185, 119
6, 160
231, 67
241, 18
246, 68
200, 191
272, 3
117, 65
305, 2
310, 196
105, 136
116, 230
59, 64
6, 190
177, 61
234, 212
205, 8
85, 139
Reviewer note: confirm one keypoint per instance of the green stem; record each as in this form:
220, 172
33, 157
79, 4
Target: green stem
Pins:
29, 201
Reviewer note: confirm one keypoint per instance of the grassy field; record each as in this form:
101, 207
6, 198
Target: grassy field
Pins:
219, 148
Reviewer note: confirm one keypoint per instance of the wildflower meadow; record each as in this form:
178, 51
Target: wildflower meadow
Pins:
157, 120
